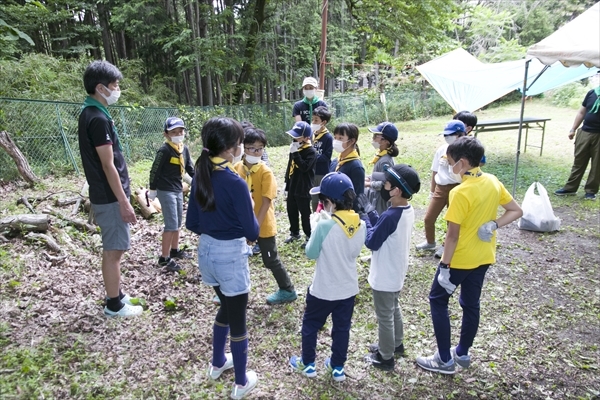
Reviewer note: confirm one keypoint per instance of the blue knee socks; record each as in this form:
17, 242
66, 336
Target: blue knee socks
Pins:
220, 333
239, 350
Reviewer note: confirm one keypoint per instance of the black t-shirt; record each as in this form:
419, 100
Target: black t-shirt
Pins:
304, 110
165, 173
95, 130
591, 121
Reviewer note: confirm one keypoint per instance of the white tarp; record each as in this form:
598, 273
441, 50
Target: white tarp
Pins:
468, 84
576, 43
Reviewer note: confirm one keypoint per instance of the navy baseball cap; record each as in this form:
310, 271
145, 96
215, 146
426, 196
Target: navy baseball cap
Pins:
404, 177
174, 122
334, 185
453, 127
387, 130
300, 129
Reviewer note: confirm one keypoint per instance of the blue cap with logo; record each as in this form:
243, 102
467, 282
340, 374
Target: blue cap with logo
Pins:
174, 122
453, 127
387, 130
334, 185
300, 129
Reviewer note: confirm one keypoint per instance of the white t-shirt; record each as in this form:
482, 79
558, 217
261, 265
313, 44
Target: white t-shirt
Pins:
440, 165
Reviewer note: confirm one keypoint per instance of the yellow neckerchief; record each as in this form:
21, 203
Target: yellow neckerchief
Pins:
348, 220
320, 133
222, 164
178, 147
249, 172
353, 155
293, 165
378, 156
472, 173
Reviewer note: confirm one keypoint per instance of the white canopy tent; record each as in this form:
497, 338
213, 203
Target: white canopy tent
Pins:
574, 45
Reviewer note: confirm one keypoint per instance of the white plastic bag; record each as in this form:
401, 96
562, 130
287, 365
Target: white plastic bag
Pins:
537, 211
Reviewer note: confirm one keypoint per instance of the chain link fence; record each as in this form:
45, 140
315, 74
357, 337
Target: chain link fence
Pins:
46, 132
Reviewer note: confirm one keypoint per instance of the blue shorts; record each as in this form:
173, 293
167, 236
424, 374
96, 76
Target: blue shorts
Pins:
172, 209
115, 231
224, 263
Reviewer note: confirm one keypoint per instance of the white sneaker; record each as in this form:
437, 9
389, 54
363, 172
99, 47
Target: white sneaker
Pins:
239, 392
214, 372
126, 311
439, 252
127, 299
426, 246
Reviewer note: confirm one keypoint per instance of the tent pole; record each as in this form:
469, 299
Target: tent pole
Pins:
523, 95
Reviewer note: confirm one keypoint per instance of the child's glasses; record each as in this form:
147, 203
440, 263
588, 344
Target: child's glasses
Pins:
254, 150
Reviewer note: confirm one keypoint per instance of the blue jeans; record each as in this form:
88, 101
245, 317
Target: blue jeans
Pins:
224, 263
315, 315
471, 283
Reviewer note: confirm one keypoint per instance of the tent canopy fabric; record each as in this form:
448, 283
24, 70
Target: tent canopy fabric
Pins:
576, 43
468, 84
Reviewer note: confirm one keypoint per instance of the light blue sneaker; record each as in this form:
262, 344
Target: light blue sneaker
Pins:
307, 370
337, 373
435, 364
282, 296
463, 361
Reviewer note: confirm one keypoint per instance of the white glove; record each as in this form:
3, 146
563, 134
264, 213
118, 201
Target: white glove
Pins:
430, 196
187, 179
486, 231
444, 278
285, 195
294, 147
316, 217
151, 195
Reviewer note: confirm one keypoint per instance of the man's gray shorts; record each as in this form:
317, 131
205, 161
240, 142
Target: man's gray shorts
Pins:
172, 209
115, 231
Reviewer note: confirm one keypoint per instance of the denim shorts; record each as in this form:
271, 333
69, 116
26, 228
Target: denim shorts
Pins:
115, 231
172, 209
224, 263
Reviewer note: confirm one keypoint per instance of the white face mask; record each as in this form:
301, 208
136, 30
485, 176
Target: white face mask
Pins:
338, 145
177, 139
113, 97
315, 127
450, 139
309, 94
252, 159
451, 169
237, 159
375, 145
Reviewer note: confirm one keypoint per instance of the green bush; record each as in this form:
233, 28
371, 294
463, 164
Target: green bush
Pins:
570, 95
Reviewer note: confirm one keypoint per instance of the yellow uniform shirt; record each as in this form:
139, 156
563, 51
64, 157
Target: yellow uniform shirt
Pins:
471, 204
262, 184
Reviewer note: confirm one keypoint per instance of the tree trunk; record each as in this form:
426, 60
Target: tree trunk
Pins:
22, 165
258, 19
105, 28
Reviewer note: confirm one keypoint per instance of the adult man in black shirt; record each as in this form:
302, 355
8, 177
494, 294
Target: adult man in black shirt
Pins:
107, 176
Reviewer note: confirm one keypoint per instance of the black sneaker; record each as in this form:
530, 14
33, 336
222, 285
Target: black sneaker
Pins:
563, 192
162, 261
590, 196
172, 266
378, 362
303, 245
398, 351
292, 238
179, 254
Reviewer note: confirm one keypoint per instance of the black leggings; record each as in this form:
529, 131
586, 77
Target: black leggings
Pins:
232, 312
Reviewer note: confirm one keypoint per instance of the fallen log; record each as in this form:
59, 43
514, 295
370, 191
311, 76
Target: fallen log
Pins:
15, 153
81, 196
146, 208
46, 239
26, 222
66, 202
77, 223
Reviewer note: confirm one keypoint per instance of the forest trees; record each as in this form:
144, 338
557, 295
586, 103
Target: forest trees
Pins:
209, 52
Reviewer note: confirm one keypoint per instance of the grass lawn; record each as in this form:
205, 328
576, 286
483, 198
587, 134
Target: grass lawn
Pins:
540, 308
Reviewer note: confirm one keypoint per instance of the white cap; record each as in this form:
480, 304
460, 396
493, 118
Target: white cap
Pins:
310, 81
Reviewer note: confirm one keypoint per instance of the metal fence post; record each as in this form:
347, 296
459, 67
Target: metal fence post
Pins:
65, 141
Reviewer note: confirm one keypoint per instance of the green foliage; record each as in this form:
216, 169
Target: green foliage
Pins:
570, 95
